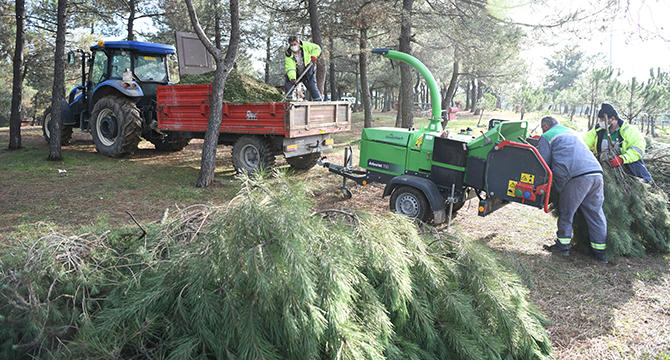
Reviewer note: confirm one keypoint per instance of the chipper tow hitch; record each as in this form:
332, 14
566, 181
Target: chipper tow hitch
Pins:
346, 171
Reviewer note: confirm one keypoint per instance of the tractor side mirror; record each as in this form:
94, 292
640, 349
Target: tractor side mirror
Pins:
70, 57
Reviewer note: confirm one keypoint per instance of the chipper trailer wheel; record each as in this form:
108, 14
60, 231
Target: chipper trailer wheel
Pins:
116, 126
252, 152
412, 202
65, 132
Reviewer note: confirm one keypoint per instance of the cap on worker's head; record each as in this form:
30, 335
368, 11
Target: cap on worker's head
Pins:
607, 110
293, 38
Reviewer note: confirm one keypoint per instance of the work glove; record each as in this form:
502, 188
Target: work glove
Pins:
314, 59
616, 161
292, 81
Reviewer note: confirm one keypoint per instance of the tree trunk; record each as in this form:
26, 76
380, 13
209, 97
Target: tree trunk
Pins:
406, 78
480, 94
58, 92
131, 19
223, 67
333, 83
451, 90
268, 48
217, 27
365, 87
398, 116
467, 95
17, 81
314, 22
473, 96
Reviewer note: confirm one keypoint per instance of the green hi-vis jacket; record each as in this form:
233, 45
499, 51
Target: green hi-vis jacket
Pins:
308, 50
632, 147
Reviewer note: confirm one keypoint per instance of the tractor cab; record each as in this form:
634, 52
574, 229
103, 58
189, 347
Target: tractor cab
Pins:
132, 68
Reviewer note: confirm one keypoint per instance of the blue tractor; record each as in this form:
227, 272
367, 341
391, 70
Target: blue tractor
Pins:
116, 101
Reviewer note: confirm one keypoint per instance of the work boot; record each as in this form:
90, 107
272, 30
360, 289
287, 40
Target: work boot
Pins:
601, 256
558, 249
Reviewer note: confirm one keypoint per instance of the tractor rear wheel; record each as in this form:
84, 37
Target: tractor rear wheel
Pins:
251, 153
116, 126
65, 132
410, 201
304, 162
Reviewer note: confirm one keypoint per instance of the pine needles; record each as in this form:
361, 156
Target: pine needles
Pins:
270, 279
240, 88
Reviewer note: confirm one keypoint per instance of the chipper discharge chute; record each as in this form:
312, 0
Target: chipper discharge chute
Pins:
430, 173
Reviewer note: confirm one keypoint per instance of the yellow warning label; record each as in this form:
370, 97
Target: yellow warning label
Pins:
511, 187
527, 178
418, 142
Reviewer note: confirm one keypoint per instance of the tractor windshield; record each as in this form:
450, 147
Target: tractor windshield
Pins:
150, 68
98, 71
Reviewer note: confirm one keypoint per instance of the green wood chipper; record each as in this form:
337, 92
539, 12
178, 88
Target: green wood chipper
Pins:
430, 173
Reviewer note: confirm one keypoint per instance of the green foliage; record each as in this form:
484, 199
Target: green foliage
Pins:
487, 102
637, 217
5, 98
268, 279
240, 88
564, 68
528, 99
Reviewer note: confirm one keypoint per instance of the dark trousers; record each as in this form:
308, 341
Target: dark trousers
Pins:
309, 80
639, 169
585, 192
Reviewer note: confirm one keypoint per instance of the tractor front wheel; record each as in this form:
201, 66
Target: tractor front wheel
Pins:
410, 201
65, 132
251, 153
116, 126
304, 162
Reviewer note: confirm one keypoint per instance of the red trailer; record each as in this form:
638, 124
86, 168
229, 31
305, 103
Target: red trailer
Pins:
257, 131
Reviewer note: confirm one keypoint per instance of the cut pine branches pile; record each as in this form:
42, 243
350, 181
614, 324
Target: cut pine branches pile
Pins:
265, 277
637, 214
240, 88
658, 162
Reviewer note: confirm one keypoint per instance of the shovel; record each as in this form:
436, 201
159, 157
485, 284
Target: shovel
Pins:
297, 81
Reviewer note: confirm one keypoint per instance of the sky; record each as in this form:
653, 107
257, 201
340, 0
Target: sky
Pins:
634, 41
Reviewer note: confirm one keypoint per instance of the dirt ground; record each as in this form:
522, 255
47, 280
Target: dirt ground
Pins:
616, 311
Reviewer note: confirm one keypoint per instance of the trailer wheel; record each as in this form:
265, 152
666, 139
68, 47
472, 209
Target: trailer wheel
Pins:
304, 162
116, 126
65, 131
252, 152
412, 202
169, 143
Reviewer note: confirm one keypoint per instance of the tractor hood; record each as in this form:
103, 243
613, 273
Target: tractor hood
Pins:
389, 135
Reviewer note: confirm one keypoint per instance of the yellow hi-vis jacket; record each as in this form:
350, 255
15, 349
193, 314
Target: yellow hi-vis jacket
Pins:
632, 148
308, 50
